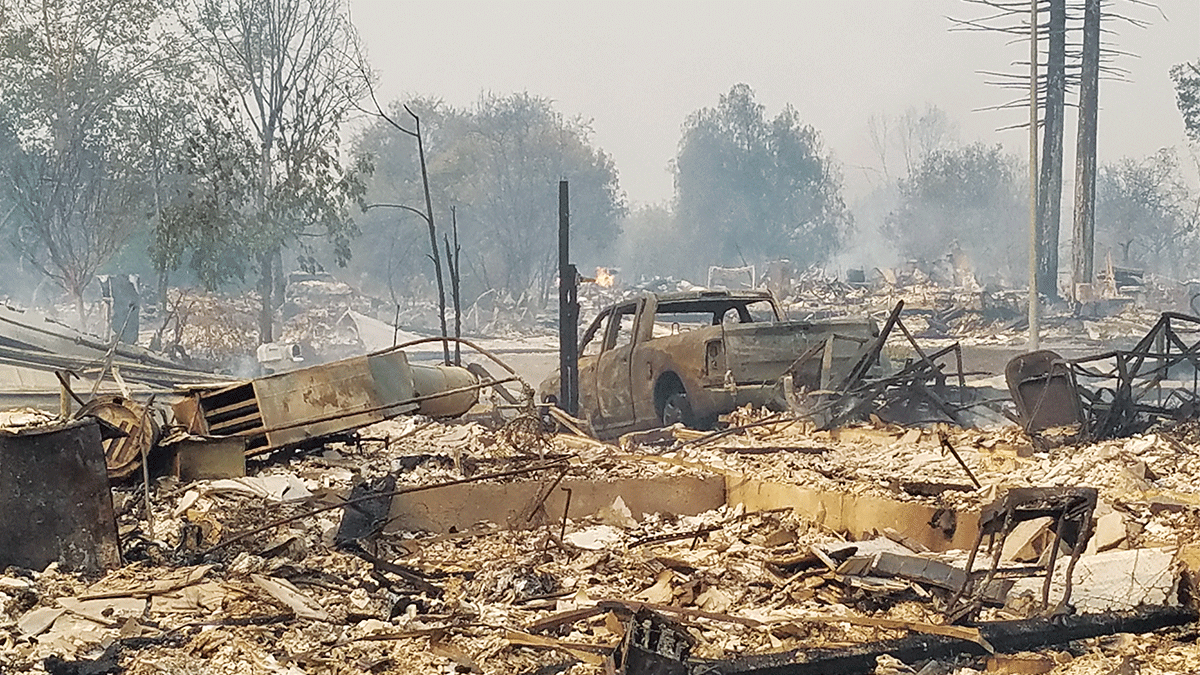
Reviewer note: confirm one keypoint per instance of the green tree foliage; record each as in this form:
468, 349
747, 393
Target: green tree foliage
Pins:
499, 163
291, 70
971, 195
651, 243
74, 77
757, 189
210, 212
1187, 92
1146, 215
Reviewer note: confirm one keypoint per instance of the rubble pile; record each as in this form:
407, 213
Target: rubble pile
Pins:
207, 327
305, 595
220, 329
286, 600
282, 529
1153, 478
944, 305
312, 311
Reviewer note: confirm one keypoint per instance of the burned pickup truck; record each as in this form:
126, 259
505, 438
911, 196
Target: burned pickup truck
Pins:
689, 357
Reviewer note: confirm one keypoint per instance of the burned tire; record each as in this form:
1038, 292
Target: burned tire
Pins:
676, 408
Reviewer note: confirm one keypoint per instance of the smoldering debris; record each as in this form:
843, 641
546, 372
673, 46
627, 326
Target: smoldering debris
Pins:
510, 540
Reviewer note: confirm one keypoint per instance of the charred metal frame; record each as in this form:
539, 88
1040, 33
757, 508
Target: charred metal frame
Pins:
921, 381
1126, 379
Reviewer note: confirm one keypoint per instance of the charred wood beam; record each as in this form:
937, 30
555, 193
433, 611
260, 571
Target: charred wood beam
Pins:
1004, 636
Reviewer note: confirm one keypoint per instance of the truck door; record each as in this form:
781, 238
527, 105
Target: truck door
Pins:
589, 353
613, 367
641, 366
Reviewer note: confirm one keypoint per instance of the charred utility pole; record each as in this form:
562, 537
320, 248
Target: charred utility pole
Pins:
1061, 19
1034, 328
568, 309
452, 262
1083, 246
1050, 189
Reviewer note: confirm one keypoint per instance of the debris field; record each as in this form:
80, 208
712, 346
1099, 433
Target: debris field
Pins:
510, 540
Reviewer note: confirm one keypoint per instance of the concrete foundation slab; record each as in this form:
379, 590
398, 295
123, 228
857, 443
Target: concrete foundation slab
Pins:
860, 516
459, 507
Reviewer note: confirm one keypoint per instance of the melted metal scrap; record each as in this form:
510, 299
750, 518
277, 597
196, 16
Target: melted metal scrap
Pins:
921, 391
303, 406
1156, 380
654, 645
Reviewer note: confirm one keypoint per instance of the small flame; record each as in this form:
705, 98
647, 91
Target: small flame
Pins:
604, 278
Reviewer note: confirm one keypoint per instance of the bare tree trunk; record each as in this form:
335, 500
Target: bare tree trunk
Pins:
280, 277
1084, 246
266, 309
433, 247
452, 259
78, 296
265, 285
1050, 192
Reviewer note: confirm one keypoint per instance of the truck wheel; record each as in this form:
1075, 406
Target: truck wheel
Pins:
676, 408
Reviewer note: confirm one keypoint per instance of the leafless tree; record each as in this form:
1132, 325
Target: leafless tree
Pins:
915, 134
366, 80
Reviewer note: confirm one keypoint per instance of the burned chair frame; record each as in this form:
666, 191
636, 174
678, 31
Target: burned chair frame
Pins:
1070, 507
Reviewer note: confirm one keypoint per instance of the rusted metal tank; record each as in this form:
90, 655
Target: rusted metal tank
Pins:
55, 499
429, 381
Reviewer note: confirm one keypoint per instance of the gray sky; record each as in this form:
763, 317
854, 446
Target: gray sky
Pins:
638, 68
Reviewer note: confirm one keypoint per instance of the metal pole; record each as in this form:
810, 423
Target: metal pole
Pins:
568, 309
1034, 328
